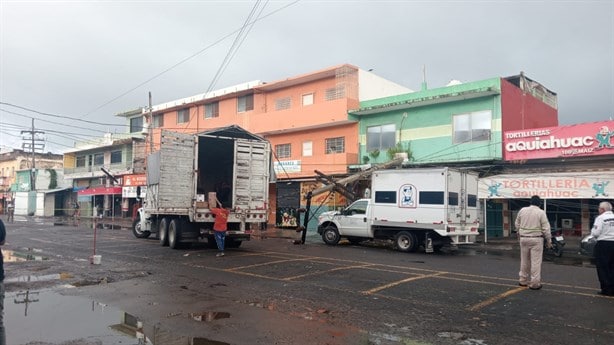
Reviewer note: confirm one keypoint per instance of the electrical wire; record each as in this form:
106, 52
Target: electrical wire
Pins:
184, 60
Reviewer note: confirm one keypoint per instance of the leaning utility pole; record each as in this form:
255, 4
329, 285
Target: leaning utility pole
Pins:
33, 145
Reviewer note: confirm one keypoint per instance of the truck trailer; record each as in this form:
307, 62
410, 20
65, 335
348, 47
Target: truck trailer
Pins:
432, 207
190, 172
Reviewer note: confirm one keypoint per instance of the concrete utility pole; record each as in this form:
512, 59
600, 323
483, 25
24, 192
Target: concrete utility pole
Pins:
34, 145
150, 134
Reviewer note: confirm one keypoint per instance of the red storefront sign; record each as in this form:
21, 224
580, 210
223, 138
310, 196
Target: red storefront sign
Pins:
135, 180
100, 191
587, 139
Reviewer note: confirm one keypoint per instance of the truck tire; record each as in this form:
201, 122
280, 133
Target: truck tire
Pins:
330, 235
174, 233
232, 243
163, 232
211, 244
405, 242
136, 229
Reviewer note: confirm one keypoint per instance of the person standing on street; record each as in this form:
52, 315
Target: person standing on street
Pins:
533, 226
11, 212
220, 226
603, 232
2, 239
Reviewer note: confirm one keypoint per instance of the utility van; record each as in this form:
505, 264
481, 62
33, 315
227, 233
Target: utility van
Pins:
429, 207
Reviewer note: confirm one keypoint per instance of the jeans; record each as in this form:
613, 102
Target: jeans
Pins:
220, 236
2, 332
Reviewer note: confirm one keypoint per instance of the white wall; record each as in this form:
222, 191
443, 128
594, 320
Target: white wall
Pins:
21, 203
372, 86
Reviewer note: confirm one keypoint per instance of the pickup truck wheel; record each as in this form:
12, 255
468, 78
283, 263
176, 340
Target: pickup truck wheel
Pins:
174, 234
163, 232
136, 229
330, 235
405, 242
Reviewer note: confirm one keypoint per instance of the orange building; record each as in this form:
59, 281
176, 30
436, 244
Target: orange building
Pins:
304, 117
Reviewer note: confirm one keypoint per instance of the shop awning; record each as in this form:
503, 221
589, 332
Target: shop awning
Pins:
54, 190
100, 191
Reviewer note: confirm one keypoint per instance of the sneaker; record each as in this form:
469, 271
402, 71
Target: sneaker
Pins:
219, 254
522, 284
535, 287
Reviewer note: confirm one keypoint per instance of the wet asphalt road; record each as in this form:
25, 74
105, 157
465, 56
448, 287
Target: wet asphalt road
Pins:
275, 292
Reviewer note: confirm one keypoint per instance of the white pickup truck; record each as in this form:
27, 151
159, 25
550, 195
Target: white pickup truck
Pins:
432, 207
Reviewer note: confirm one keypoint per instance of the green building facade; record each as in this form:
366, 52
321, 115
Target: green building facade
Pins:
456, 123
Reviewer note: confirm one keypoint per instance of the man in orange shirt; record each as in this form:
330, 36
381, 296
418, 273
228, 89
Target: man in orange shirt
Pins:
220, 226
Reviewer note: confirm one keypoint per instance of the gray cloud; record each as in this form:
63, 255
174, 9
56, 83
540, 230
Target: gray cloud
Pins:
69, 58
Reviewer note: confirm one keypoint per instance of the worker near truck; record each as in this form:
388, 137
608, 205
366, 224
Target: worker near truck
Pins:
533, 227
220, 226
603, 231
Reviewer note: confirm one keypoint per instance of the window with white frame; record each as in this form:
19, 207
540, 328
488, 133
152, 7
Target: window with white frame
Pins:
283, 103
80, 161
307, 148
116, 157
474, 126
136, 124
308, 99
283, 150
333, 93
245, 103
158, 121
183, 115
212, 110
381, 138
335, 145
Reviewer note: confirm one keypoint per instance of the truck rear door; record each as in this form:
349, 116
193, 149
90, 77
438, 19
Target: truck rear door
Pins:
251, 174
471, 188
176, 187
462, 197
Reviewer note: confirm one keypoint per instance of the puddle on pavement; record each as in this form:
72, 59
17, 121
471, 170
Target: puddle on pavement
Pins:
49, 317
45, 316
28, 254
209, 316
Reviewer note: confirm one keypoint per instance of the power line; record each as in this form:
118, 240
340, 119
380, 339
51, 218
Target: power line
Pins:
54, 115
186, 59
53, 122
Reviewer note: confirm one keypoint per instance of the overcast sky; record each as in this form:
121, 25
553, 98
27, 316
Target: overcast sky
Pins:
90, 60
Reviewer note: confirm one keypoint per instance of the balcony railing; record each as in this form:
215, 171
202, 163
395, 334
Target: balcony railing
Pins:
120, 167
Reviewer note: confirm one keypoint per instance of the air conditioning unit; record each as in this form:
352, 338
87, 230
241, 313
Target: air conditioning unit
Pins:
567, 224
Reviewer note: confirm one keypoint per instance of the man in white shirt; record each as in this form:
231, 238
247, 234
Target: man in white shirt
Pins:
603, 232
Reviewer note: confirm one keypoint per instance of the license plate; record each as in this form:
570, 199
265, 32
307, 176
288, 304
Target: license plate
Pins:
559, 238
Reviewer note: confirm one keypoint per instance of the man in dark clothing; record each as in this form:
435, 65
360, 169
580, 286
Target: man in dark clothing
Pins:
2, 238
603, 232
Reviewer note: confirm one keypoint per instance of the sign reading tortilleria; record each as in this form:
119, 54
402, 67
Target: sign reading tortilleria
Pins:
548, 186
587, 139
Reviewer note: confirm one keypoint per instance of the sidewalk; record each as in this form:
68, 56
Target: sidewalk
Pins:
571, 248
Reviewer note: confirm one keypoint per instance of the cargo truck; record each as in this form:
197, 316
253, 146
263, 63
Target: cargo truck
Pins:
432, 207
191, 171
